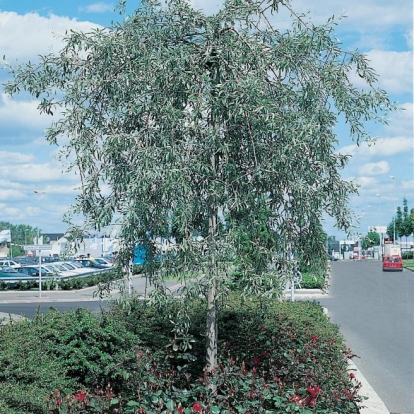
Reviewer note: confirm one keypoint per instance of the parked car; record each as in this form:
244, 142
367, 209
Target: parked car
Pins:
10, 263
355, 256
30, 271
90, 263
7, 271
59, 269
33, 270
104, 262
49, 259
75, 267
392, 263
25, 260
109, 257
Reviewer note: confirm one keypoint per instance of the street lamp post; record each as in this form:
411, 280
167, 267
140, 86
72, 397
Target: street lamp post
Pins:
380, 231
393, 205
39, 251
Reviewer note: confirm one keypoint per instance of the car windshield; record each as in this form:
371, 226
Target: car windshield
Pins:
393, 259
66, 266
101, 261
49, 269
59, 267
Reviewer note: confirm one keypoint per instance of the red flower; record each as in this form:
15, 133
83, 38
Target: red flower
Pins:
349, 395
256, 361
197, 407
80, 396
276, 379
314, 338
352, 375
180, 409
314, 391
296, 398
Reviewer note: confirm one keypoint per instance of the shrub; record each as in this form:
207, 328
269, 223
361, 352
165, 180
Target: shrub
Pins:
407, 255
62, 351
281, 357
273, 357
310, 281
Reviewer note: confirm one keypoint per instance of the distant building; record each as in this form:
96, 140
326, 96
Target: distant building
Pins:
4, 250
48, 238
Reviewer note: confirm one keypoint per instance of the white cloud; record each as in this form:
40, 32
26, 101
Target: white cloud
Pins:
35, 173
401, 122
69, 189
24, 37
100, 7
374, 168
22, 114
382, 147
10, 194
366, 182
12, 214
395, 69
7, 157
359, 14
207, 6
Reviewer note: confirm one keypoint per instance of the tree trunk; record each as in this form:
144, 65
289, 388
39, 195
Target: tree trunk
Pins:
212, 334
211, 322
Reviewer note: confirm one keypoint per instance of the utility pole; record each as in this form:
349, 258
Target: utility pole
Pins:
393, 205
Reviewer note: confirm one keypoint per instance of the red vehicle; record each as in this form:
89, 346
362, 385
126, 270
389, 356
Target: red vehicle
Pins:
392, 263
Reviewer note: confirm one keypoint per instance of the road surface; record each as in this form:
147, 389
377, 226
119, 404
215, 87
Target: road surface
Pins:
375, 313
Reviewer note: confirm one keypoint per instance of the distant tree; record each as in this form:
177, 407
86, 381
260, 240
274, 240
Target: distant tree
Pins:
174, 115
371, 239
412, 222
399, 223
21, 234
407, 222
391, 229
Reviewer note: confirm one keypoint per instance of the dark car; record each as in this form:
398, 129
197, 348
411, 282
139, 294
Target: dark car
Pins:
90, 263
25, 260
9, 272
34, 271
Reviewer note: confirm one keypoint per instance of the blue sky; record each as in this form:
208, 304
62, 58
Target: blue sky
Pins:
380, 28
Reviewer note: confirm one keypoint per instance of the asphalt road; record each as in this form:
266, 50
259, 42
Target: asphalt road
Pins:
27, 304
375, 313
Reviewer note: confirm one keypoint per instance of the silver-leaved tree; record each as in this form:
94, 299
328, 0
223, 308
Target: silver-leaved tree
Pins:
220, 126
